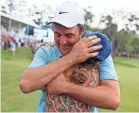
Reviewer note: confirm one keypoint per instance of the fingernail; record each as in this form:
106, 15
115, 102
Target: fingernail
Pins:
95, 36
97, 53
92, 37
99, 39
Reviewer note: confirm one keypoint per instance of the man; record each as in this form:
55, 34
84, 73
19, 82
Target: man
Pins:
43, 73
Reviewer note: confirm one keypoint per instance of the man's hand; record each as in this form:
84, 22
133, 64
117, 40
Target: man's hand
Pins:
82, 50
57, 85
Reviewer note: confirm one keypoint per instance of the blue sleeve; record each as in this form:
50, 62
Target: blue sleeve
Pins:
107, 69
41, 106
40, 58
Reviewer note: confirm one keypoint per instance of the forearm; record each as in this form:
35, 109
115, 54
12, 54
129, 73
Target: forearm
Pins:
101, 96
37, 78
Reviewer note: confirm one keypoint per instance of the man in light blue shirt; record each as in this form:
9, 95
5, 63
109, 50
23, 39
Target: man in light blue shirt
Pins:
42, 72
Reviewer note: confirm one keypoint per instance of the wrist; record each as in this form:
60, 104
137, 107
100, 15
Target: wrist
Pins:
72, 58
70, 88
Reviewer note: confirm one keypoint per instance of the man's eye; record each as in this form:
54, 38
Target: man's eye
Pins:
57, 35
69, 35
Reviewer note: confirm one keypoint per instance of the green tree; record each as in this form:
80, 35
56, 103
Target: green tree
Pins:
119, 42
88, 18
135, 45
110, 30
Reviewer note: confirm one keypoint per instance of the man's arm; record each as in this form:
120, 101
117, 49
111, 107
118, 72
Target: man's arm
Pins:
106, 96
36, 78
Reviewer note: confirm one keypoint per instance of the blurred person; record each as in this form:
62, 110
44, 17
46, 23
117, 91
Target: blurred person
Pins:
1, 42
33, 46
22, 42
6, 41
46, 43
12, 46
18, 42
70, 50
26, 41
16, 39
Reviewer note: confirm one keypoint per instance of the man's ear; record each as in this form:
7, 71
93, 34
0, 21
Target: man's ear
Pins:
82, 31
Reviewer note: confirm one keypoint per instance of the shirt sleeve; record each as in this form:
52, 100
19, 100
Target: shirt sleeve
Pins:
41, 58
107, 70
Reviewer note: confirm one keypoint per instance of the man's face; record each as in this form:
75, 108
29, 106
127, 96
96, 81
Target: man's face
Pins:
65, 38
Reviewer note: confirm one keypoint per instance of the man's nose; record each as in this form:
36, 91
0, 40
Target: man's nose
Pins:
63, 40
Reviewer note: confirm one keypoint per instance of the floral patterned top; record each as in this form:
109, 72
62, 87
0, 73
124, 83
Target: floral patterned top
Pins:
64, 103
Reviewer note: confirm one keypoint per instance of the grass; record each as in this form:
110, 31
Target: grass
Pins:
129, 82
13, 100
127, 62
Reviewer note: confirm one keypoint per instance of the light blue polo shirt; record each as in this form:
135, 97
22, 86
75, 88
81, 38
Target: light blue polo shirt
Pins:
47, 53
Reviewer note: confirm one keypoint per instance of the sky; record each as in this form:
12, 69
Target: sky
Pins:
130, 5
99, 7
